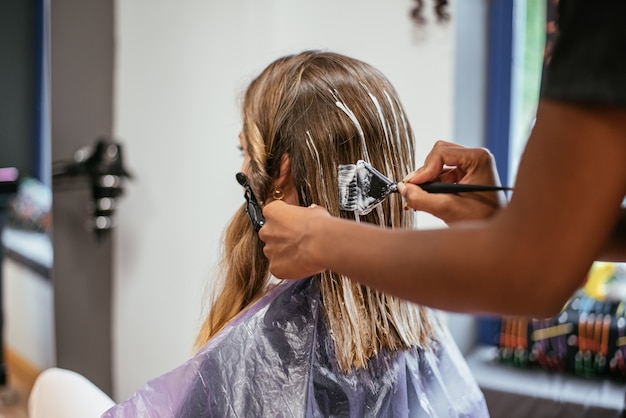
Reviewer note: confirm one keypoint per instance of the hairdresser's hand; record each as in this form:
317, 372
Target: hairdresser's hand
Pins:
289, 233
452, 163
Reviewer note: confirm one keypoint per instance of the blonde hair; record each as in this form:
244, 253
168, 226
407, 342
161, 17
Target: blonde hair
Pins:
323, 109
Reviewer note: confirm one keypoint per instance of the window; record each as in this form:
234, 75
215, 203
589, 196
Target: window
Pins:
529, 38
515, 59
516, 40
24, 130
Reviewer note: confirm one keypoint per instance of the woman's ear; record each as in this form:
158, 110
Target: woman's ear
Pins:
284, 176
283, 185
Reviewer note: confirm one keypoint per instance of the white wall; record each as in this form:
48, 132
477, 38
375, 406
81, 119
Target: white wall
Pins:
180, 69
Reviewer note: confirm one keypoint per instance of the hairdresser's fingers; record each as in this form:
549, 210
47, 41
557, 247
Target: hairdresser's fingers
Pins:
455, 163
448, 207
450, 175
287, 236
417, 199
434, 162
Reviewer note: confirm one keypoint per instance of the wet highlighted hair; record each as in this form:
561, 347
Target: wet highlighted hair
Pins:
323, 109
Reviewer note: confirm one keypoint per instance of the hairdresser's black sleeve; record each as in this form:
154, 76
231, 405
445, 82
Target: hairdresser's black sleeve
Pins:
588, 62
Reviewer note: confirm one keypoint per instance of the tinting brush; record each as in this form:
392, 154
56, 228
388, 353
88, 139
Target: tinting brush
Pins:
362, 187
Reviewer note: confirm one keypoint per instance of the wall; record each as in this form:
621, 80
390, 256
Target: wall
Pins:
180, 69
81, 111
470, 96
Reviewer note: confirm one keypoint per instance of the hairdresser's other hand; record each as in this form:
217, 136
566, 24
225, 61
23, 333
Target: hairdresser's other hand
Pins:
288, 236
453, 163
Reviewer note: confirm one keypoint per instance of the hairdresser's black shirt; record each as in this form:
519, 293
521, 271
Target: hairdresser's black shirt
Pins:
588, 61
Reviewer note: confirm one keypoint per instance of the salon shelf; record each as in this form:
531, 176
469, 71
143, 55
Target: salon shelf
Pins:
28, 248
513, 392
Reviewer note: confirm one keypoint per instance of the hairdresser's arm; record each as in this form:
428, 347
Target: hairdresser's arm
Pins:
453, 163
615, 248
526, 259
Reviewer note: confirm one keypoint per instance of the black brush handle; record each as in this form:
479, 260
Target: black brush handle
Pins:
441, 187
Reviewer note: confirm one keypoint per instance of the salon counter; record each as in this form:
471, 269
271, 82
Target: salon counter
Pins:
512, 392
30, 249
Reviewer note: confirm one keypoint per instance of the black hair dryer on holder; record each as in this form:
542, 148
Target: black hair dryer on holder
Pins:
103, 165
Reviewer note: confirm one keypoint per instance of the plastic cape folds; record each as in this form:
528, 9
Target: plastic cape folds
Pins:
276, 359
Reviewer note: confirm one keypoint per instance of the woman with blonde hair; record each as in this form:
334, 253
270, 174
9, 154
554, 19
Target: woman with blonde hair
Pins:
324, 345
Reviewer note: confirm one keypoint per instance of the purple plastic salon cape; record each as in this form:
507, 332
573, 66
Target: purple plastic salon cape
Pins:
276, 359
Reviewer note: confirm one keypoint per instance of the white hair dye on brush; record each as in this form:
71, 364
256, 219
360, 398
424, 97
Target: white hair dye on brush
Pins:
362, 188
